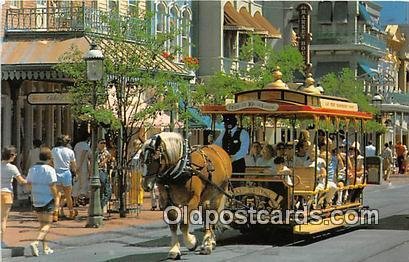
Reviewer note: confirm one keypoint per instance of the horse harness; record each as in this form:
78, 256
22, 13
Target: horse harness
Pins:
185, 170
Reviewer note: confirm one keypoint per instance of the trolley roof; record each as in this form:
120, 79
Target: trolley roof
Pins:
286, 103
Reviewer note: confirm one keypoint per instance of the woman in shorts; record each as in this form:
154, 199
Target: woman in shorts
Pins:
8, 172
64, 164
42, 179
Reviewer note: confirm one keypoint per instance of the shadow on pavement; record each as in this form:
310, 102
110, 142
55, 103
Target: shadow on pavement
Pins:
396, 222
150, 257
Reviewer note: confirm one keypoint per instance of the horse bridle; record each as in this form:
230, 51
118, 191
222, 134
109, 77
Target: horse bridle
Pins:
156, 152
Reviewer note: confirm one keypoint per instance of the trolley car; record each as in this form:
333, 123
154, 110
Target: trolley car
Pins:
337, 131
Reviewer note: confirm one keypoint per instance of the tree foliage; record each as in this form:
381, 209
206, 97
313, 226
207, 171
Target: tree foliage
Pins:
137, 85
346, 85
264, 61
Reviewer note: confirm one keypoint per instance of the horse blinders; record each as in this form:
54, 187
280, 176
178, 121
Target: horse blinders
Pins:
153, 156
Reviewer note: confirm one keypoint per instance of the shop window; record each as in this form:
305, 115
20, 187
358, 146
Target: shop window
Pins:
325, 12
113, 5
133, 8
16, 3
186, 24
174, 26
229, 44
341, 14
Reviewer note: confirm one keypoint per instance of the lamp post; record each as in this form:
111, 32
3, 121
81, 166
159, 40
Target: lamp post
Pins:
377, 102
95, 69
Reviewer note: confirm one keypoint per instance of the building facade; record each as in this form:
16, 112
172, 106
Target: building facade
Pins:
35, 35
219, 37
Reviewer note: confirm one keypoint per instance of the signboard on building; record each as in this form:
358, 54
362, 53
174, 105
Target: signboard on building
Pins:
304, 33
49, 98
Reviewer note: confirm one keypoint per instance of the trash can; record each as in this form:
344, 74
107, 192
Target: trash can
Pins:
374, 169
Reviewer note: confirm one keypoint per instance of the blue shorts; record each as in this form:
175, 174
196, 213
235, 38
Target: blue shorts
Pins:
64, 177
47, 208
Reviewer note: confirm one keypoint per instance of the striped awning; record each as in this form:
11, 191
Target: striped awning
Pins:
233, 20
35, 59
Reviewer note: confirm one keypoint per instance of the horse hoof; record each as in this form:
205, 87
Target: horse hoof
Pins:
194, 247
174, 256
205, 250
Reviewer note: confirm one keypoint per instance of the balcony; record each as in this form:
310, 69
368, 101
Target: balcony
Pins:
364, 39
64, 20
235, 66
373, 41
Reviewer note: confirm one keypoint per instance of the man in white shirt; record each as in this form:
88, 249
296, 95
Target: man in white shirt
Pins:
235, 141
370, 150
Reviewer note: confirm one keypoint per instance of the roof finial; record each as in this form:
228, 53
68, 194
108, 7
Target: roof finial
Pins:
309, 86
278, 83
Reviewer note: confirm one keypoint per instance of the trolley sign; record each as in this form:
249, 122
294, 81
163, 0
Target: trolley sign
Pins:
252, 104
49, 98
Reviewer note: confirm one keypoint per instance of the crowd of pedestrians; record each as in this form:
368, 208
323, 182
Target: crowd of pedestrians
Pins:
54, 177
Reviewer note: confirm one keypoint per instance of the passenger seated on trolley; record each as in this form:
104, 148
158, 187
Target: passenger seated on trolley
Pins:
334, 163
282, 170
320, 164
267, 156
357, 164
305, 137
289, 153
254, 155
301, 158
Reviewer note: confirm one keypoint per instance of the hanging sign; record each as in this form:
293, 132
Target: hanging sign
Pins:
304, 33
49, 98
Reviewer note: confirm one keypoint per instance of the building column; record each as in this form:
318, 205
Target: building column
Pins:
49, 116
28, 127
15, 86
59, 120
6, 106
38, 116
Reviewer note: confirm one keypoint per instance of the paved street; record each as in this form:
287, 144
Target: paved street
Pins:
388, 241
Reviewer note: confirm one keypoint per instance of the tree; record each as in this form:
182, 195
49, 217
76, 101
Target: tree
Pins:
137, 84
346, 85
222, 85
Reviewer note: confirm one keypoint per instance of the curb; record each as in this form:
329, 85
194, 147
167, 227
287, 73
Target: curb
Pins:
7, 252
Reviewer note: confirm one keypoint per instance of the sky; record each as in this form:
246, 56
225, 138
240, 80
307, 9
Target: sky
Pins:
394, 12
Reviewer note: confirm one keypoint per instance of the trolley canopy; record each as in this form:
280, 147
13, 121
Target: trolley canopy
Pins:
287, 103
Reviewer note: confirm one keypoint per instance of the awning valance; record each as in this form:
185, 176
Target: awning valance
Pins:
259, 29
35, 59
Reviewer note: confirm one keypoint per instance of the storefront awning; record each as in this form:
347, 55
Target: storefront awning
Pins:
35, 59
371, 72
233, 20
259, 29
366, 16
272, 31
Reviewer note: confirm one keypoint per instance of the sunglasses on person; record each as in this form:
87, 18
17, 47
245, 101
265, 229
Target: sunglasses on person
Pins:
281, 148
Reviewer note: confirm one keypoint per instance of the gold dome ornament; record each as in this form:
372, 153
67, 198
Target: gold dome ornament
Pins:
278, 83
309, 86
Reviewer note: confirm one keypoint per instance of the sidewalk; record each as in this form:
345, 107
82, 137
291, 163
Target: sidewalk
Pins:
22, 226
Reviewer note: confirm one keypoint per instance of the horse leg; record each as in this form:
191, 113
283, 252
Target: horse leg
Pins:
174, 252
208, 238
189, 239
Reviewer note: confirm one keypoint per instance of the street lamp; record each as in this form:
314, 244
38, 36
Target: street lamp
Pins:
377, 102
95, 69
